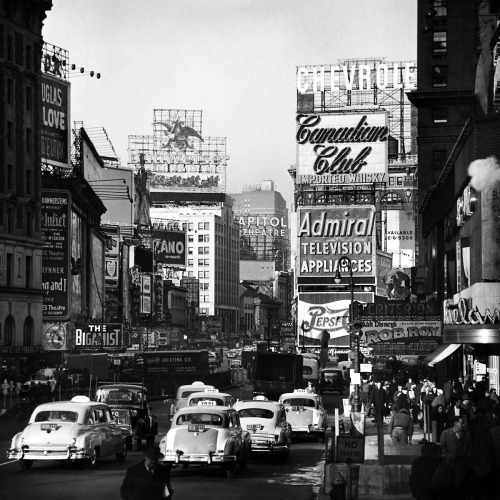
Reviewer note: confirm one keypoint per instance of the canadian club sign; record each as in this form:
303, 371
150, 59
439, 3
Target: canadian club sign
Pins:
342, 149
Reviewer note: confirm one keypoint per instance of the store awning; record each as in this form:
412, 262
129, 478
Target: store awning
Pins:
441, 353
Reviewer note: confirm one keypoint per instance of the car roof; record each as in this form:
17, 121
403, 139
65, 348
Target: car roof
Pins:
308, 395
68, 405
194, 386
123, 386
208, 394
256, 403
331, 370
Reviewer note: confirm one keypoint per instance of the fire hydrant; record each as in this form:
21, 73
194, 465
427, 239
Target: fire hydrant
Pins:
338, 491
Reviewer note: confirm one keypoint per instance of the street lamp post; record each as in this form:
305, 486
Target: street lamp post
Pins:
354, 328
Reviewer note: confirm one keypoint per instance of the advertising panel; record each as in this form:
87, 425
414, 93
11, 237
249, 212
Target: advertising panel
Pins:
111, 272
330, 312
342, 149
262, 225
174, 363
146, 294
401, 328
328, 233
170, 247
56, 235
55, 129
96, 335
55, 336
177, 156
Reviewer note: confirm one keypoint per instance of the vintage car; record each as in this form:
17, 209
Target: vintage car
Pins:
266, 422
69, 431
182, 394
331, 379
131, 398
305, 412
207, 434
220, 398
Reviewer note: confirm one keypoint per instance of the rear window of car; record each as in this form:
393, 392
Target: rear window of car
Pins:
200, 418
255, 413
195, 401
185, 394
56, 416
333, 375
300, 402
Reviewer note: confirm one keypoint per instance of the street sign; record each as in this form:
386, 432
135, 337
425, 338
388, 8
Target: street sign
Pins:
351, 449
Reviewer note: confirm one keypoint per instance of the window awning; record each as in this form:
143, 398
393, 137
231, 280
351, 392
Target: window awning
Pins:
441, 353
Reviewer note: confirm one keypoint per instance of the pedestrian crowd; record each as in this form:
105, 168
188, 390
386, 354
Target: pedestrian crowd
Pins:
461, 459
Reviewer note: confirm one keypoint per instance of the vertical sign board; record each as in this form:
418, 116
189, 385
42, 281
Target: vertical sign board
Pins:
56, 235
55, 136
146, 293
350, 449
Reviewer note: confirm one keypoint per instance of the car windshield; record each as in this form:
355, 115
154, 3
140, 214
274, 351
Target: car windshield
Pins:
195, 401
256, 413
300, 402
200, 418
58, 416
119, 396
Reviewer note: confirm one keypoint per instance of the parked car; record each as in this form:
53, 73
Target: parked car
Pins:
266, 421
220, 398
305, 412
331, 380
131, 398
69, 431
207, 434
182, 394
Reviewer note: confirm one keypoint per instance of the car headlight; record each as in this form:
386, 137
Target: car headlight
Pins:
73, 442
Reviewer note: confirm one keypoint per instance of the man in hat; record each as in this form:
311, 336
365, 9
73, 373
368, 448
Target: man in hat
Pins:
149, 479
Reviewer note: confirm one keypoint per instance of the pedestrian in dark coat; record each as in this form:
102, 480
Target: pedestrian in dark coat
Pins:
456, 410
447, 392
379, 401
422, 471
441, 420
149, 479
401, 427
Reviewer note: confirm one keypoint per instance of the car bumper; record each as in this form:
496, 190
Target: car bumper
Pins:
68, 453
198, 458
307, 429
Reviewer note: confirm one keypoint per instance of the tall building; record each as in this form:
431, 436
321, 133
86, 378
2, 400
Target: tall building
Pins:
263, 217
21, 119
458, 129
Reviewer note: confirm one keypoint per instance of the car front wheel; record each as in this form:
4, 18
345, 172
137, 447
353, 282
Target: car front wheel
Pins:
122, 455
25, 464
92, 460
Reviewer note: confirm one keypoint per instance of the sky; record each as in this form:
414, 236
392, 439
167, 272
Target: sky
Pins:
233, 59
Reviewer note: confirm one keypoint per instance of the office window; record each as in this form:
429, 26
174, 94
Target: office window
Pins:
190, 226
9, 269
200, 238
441, 7
191, 274
439, 76
190, 262
207, 275
190, 250
440, 115
439, 42
10, 91
439, 159
200, 225
29, 271
200, 274
207, 262
29, 224
28, 181
10, 220
9, 330
200, 262
190, 238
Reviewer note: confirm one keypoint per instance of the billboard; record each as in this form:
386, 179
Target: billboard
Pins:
56, 235
169, 247
175, 363
263, 225
97, 335
55, 336
327, 234
342, 149
55, 129
177, 155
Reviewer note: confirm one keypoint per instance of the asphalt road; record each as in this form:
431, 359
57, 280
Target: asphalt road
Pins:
299, 477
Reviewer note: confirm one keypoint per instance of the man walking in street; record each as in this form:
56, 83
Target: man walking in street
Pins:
401, 427
149, 479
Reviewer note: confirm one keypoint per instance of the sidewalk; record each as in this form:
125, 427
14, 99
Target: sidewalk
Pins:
380, 482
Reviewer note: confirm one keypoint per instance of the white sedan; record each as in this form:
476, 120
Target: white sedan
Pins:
305, 412
207, 434
68, 431
266, 421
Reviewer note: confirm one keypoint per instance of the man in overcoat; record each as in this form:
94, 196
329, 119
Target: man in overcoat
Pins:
149, 479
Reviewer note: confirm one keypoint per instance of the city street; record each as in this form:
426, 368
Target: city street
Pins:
299, 477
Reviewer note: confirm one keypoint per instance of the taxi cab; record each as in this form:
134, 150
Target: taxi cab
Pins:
305, 412
266, 421
207, 434
183, 392
76, 430
219, 398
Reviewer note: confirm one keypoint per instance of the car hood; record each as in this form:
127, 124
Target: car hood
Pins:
49, 433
